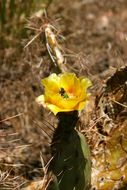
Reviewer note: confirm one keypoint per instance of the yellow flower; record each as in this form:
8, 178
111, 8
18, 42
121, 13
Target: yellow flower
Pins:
64, 92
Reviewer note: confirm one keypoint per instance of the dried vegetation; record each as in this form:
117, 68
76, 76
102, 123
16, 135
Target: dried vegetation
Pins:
95, 46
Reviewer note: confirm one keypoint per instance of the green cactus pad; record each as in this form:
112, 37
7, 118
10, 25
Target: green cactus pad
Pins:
71, 157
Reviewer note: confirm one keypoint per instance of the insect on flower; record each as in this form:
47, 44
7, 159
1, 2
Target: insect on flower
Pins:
64, 92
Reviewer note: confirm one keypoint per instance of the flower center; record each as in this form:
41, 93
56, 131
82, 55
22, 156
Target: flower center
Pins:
63, 93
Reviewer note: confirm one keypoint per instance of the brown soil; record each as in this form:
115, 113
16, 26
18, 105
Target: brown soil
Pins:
95, 46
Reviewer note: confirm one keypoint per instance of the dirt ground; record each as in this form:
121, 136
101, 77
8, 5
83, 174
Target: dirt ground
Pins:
95, 45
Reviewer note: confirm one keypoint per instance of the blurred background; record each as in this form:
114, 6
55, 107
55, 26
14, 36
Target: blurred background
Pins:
94, 39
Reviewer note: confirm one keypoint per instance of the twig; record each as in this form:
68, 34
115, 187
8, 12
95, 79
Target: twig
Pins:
11, 117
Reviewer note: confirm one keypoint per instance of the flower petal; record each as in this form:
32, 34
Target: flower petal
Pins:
51, 83
85, 83
40, 100
75, 89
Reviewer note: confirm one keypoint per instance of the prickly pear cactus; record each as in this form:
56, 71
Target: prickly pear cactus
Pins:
52, 183
110, 155
70, 155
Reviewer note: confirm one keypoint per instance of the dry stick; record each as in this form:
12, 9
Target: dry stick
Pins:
45, 170
52, 46
36, 36
53, 49
119, 103
51, 125
43, 131
11, 117
17, 187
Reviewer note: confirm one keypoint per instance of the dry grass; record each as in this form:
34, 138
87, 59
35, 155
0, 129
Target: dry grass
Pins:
94, 45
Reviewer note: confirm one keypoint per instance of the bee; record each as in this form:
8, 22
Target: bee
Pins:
63, 93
